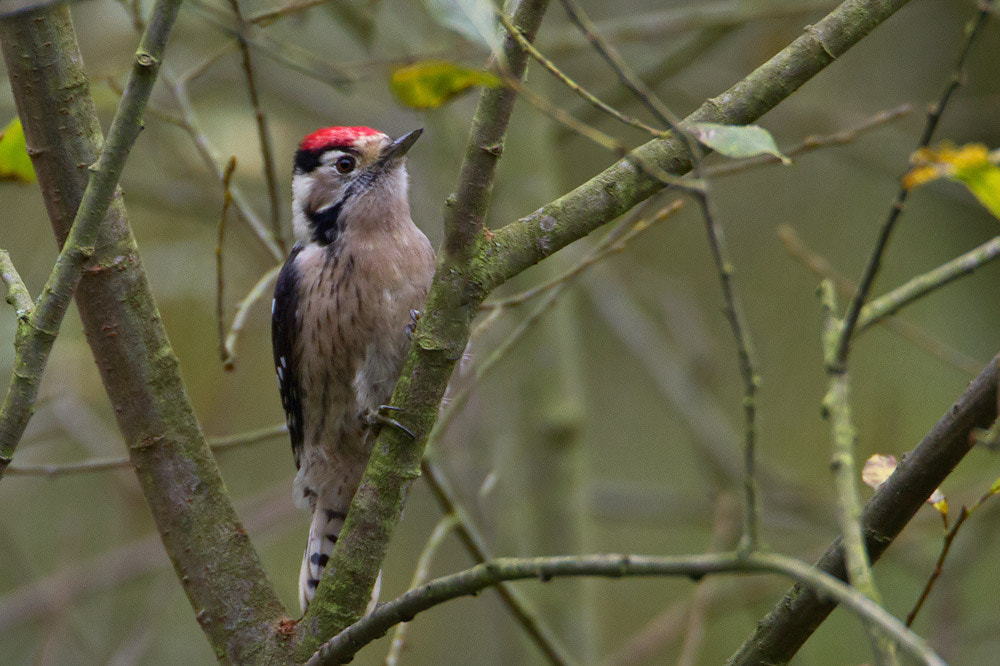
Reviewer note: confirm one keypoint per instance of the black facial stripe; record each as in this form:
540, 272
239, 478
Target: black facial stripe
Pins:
326, 224
307, 160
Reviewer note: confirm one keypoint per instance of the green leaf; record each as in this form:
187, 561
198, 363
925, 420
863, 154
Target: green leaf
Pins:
429, 84
737, 140
14, 161
473, 19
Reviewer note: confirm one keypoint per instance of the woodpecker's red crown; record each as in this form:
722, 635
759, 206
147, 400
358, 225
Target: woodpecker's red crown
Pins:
333, 137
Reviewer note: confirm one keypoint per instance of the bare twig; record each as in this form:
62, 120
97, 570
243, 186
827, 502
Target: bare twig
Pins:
913, 334
227, 198
918, 287
217, 444
421, 574
875, 259
810, 143
263, 134
587, 96
290, 9
665, 23
837, 409
604, 249
18, 295
949, 539
38, 331
342, 646
211, 158
259, 290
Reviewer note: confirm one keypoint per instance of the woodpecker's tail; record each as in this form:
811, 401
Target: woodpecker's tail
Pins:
323, 532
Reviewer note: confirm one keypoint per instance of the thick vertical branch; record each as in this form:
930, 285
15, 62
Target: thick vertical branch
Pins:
38, 332
460, 284
221, 573
438, 343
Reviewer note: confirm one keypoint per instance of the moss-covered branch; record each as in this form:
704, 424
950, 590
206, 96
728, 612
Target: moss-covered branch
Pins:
527, 241
474, 261
782, 632
844, 443
221, 573
38, 331
439, 341
342, 647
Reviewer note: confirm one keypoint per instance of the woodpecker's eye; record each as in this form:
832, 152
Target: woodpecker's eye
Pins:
345, 164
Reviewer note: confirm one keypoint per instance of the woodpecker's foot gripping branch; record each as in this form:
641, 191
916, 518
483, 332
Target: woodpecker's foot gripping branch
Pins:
412, 326
375, 417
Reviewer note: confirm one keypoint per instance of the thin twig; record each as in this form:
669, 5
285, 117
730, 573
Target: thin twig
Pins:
949, 539
227, 198
345, 644
724, 531
837, 409
17, 293
475, 545
293, 56
188, 77
810, 143
724, 267
263, 134
293, 7
663, 25
259, 290
217, 444
918, 287
913, 334
587, 96
421, 574
875, 259
38, 332
212, 160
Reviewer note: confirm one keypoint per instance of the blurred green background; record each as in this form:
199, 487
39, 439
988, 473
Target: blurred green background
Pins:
614, 425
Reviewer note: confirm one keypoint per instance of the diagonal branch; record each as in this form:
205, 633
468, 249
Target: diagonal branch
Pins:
782, 632
527, 241
474, 261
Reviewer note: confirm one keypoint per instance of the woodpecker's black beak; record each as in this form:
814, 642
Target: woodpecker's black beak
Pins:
398, 148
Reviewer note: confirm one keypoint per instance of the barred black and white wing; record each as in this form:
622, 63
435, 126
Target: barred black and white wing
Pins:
283, 339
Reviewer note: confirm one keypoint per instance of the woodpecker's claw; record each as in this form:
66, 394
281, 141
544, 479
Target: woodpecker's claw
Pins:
376, 417
412, 326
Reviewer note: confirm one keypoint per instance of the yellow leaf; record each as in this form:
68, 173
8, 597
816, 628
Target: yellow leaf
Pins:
877, 469
14, 161
969, 164
429, 84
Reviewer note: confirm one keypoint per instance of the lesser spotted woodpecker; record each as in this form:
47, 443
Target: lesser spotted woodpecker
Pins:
343, 305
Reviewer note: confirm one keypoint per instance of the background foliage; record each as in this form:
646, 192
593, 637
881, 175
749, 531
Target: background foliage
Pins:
583, 439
